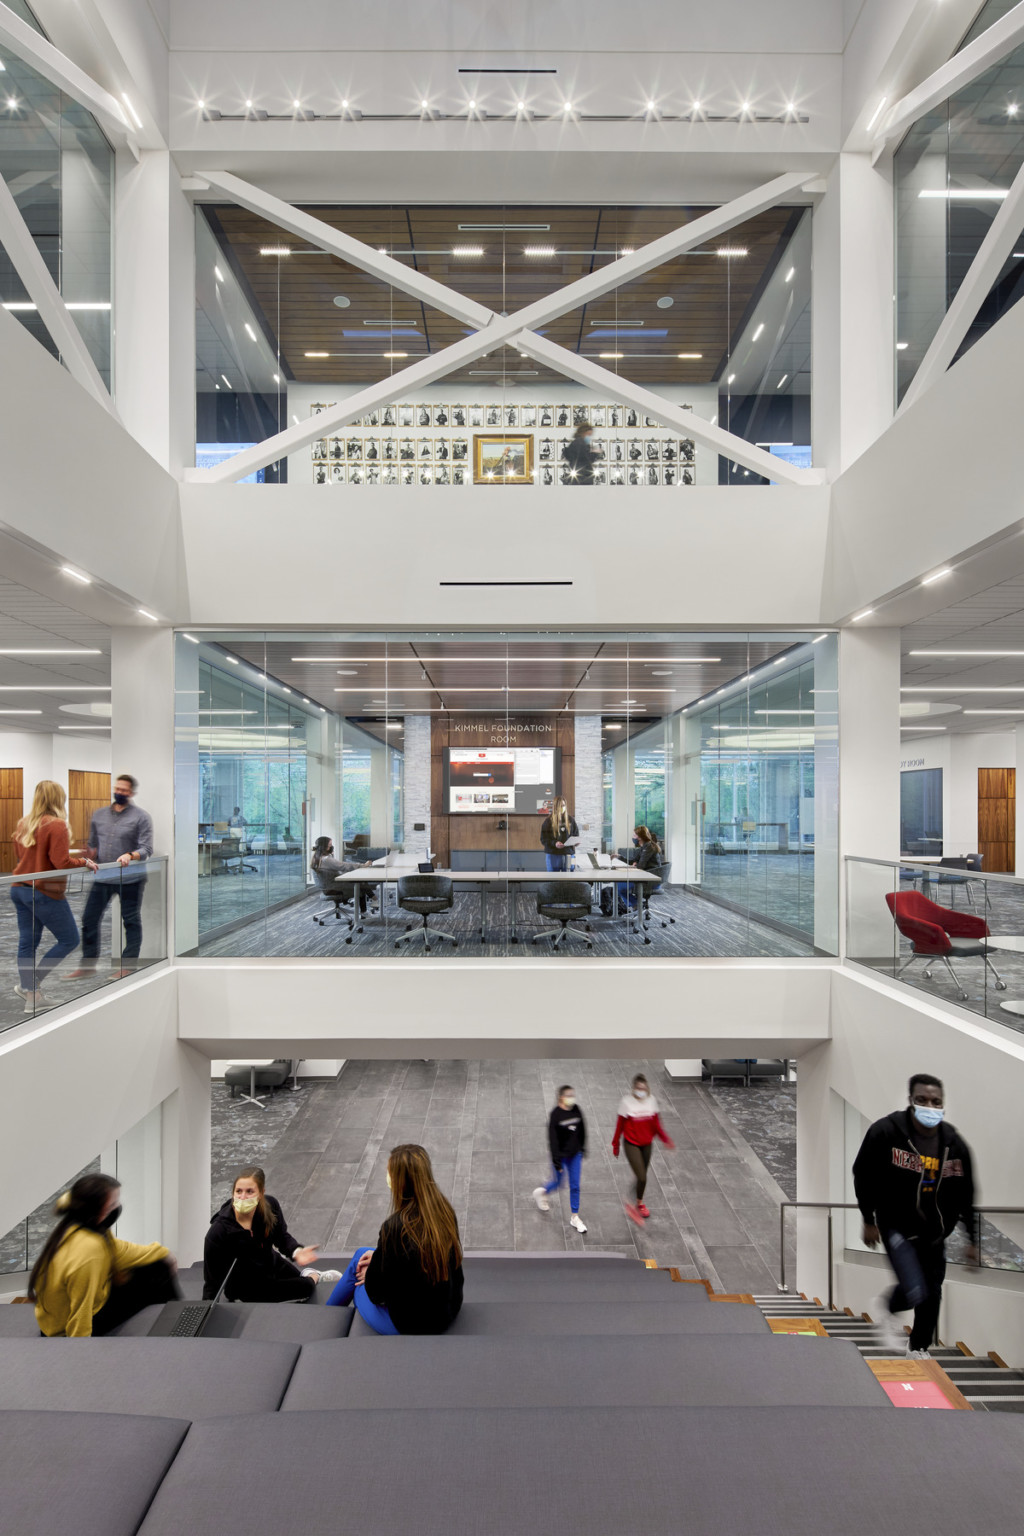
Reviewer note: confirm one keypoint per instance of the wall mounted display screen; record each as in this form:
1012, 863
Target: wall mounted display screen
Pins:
504, 780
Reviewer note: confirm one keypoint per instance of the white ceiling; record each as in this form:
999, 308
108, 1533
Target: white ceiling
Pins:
29, 620
992, 620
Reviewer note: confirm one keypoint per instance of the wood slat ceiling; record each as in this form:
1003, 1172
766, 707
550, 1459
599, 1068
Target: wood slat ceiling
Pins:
293, 296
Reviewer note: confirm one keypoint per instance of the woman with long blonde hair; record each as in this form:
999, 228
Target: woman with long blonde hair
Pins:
412, 1281
42, 842
554, 830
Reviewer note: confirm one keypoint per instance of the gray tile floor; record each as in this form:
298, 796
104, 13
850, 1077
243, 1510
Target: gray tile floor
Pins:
714, 1203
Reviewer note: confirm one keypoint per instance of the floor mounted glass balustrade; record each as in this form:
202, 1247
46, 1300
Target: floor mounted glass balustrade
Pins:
320, 777
942, 927
58, 948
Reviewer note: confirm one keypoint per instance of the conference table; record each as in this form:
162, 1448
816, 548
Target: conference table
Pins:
485, 880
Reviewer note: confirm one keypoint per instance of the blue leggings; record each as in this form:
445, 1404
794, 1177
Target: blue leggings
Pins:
36, 912
347, 1291
570, 1166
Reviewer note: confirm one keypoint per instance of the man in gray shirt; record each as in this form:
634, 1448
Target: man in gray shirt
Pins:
120, 834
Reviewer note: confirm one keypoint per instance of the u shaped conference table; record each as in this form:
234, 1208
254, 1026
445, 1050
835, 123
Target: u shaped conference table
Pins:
485, 880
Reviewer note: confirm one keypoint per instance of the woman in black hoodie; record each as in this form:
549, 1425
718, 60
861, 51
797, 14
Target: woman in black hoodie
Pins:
250, 1230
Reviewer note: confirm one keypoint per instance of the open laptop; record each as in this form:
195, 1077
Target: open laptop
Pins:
187, 1319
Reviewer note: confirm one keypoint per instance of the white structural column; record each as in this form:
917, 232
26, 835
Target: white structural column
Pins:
869, 779
686, 801
827, 869
154, 340
186, 794
142, 743
186, 1137
819, 1171
852, 337
588, 791
416, 785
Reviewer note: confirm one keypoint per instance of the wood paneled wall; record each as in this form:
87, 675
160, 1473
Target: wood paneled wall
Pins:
997, 819
11, 808
453, 833
87, 792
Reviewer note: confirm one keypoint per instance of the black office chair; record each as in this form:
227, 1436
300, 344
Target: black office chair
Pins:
425, 894
566, 901
646, 893
338, 896
969, 862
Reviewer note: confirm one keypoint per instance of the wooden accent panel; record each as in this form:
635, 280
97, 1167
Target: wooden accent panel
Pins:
811, 1325
997, 819
454, 833
919, 1370
87, 792
11, 807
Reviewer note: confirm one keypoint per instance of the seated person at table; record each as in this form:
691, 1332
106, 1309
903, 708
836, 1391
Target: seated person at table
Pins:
86, 1281
324, 862
250, 1228
647, 858
412, 1281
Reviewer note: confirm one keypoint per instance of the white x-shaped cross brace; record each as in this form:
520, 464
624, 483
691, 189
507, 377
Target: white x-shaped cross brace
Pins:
518, 330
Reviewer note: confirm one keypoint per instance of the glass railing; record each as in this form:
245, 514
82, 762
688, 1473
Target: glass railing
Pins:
74, 932
941, 926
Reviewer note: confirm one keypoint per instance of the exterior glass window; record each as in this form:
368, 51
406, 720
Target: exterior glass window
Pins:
921, 811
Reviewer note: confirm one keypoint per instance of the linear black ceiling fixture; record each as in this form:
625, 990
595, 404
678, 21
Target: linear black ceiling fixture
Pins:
505, 583
507, 69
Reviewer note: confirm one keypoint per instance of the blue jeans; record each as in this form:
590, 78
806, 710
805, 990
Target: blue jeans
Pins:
557, 862
626, 892
99, 898
346, 1291
570, 1166
37, 912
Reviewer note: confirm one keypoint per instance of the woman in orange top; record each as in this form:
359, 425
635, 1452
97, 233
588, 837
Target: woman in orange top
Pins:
41, 841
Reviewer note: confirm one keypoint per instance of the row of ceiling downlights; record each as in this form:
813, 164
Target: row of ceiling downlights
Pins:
427, 109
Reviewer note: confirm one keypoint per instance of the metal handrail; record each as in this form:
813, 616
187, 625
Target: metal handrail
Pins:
851, 1205
970, 874
38, 876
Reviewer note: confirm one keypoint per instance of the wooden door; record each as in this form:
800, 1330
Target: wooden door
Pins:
11, 809
87, 792
997, 819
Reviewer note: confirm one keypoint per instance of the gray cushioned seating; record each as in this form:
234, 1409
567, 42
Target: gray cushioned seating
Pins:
526, 1318
263, 1322
80, 1473
708, 1471
676, 1371
168, 1378
18, 1322
491, 1280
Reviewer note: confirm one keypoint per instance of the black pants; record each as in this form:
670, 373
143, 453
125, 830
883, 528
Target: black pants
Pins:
149, 1285
920, 1268
639, 1159
99, 898
278, 1288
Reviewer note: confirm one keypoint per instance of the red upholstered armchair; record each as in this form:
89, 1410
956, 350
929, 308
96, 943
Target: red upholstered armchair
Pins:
939, 933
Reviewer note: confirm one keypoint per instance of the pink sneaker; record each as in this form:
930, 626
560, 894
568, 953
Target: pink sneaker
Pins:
644, 1212
633, 1212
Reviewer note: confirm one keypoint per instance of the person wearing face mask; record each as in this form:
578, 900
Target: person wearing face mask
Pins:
567, 1138
637, 1125
328, 866
120, 834
914, 1181
250, 1231
86, 1281
412, 1281
579, 455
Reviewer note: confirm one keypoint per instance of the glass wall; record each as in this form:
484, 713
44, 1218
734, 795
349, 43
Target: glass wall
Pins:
286, 331
951, 174
418, 754
921, 811
60, 170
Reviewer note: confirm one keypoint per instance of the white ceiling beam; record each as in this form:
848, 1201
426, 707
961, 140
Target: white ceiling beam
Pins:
16, 238
995, 249
425, 289
666, 411
994, 44
34, 49
497, 333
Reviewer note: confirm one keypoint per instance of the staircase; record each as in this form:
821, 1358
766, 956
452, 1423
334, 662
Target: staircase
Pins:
984, 1380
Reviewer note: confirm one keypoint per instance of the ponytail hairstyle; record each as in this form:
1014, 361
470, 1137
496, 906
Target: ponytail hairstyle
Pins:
320, 850
259, 1178
79, 1206
49, 800
426, 1215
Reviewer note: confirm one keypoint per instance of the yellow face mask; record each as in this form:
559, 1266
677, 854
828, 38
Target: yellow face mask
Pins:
243, 1204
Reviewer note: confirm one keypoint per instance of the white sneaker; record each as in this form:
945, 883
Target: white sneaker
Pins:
890, 1332
575, 1221
540, 1195
331, 1276
917, 1354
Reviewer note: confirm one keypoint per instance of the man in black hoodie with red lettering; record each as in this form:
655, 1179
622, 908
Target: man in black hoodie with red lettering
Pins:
914, 1181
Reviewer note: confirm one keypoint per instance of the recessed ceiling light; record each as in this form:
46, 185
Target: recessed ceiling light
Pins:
248, 106
611, 354
227, 381
731, 250
782, 381
858, 616
901, 346
7, 650
425, 105
695, 107
652, 106
520, 106
472, 106
467, 250
745, 107
731, 379
275, 250
568, 106
250, 330
539, 250
21, 712
394, 354
968, 194
69, 570
147, 615
306, 354
341, 301
757, 333
611, 726
966, 653
666, 301
277, 378
691, 357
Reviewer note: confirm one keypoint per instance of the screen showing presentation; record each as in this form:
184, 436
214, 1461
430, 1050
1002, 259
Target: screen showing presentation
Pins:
506, 780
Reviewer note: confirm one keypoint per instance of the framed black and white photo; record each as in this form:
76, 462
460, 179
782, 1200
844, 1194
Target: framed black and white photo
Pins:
635, 450
425, 449
460, 450
372, 474
599, 475
423, 416
653, 474
686, 477
389, 474
615, 415
652, 450
563, 415
476, 415
547, 474
616, 475
319, 449
337, 474
442, 475
320, 474
406, 449
616, 451
668, 475
632, 417
598, 416
354, 449
546, 416
371, 450
635, 474
563, 443
388, 450
492, 416
405, 415
527, 415
441, 415
426, 474
355, 474
510, 415
545, 450
372, 419
459, 416
388, 417
686, 450
669, 451
651, 421
407, 474
459, 474
442, 450
580, 413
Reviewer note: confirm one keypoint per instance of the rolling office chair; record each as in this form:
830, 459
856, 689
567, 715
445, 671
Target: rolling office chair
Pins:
566, 901
971, 864
338, 896
425, 894
937, 933
647, 894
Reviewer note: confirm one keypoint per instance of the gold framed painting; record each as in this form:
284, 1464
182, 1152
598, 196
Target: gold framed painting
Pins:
502, 458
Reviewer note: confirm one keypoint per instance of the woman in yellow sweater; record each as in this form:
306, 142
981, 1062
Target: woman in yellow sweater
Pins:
86, 1281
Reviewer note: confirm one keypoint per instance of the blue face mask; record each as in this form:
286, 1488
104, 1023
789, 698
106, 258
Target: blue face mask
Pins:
927, 1115
636, 842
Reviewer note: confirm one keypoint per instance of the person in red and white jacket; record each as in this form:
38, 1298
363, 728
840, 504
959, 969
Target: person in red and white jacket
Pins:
637, 1126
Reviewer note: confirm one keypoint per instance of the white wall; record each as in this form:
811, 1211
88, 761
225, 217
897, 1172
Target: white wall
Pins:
43, 756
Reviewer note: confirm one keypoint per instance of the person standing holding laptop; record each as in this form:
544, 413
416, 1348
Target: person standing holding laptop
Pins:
555, 832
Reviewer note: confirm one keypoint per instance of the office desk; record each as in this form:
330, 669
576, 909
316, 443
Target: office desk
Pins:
369, 874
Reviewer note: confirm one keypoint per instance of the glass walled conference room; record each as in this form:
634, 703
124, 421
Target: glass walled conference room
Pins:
443, 753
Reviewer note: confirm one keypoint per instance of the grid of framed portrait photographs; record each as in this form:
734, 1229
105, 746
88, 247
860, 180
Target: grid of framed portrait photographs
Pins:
440, 444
